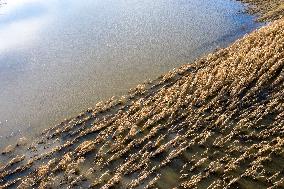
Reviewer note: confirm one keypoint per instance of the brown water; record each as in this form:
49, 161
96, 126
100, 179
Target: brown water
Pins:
59, 57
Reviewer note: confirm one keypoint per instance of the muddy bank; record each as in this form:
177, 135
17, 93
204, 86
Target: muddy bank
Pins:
215, 123
267, 10
98, 49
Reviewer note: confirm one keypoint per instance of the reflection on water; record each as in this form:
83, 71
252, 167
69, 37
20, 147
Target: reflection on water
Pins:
60, 57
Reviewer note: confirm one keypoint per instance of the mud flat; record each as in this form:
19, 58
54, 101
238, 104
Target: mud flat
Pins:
215, 123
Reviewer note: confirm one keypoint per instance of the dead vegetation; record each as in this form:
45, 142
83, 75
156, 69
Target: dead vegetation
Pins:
267, 10
215, 123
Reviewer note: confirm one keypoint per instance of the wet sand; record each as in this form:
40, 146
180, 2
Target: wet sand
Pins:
215, 123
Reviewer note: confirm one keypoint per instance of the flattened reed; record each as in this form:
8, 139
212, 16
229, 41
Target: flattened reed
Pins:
215, 123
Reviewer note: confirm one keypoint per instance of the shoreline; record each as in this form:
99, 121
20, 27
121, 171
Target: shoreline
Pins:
207, 113
37, 96
266, 10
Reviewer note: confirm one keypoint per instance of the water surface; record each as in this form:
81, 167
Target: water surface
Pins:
59, 57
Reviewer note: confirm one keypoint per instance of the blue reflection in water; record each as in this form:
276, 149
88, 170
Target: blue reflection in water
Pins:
24, 12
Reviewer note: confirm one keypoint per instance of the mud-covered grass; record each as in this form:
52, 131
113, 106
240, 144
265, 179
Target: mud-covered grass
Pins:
267, 10
215, 123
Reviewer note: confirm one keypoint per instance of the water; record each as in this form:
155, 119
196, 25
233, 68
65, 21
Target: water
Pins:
59, 57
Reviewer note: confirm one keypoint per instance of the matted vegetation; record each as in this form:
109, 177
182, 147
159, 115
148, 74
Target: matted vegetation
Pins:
267, 10
215, 123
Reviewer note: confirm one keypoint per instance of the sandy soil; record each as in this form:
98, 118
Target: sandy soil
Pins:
215, 123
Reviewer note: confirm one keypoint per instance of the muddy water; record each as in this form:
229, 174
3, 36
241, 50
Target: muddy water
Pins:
58, 58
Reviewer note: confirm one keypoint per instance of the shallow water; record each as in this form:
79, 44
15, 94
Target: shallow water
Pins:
58, 58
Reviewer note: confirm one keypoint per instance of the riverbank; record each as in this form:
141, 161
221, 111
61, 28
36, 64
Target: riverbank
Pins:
215, 123
89, 59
